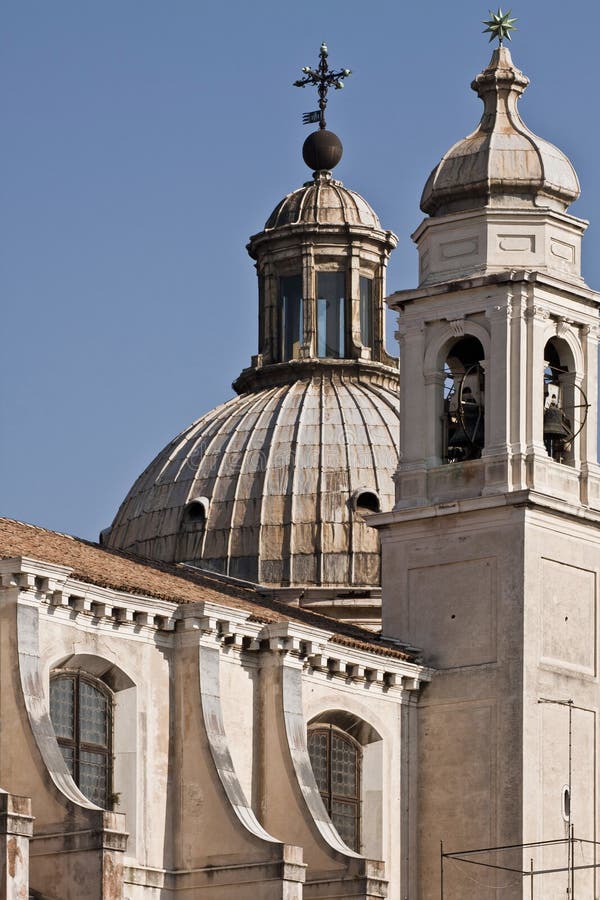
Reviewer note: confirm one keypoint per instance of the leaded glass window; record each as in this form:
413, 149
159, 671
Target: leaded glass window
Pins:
81, 713
336, 758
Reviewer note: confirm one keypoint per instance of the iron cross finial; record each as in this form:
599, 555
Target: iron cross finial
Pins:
323, 78
499, 25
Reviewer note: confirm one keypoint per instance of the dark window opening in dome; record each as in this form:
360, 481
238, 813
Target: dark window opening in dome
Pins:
331, 326
366, 311
464, 401
81, 714
336, 760
367, 501
290, 306
195, 512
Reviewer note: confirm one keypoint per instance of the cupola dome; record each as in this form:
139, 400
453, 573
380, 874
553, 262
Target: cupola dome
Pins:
502, 163
323, 201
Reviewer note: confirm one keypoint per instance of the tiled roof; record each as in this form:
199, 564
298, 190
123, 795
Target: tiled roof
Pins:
121, 571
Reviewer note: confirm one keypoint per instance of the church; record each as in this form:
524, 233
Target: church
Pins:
341, 638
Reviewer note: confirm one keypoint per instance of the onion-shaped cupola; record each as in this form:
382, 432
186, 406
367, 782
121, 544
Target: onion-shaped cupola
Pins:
498, 198
502, 163
275, 486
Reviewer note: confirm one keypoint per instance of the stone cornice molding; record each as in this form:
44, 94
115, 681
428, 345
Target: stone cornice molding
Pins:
577, 290
52, 586
307, 647
261, 377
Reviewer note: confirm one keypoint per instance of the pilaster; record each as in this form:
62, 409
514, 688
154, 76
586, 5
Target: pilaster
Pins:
16, 829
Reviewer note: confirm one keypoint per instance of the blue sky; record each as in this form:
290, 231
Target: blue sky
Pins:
143, 141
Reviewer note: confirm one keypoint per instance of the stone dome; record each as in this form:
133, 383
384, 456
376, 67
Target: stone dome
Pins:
323, 201
273, 487
502, 163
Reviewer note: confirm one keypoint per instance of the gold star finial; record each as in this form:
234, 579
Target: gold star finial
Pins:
499, 25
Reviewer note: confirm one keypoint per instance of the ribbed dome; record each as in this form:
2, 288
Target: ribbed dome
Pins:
323, 201
276, 473
502, 163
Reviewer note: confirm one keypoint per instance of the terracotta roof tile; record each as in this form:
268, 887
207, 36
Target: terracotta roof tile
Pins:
105, 567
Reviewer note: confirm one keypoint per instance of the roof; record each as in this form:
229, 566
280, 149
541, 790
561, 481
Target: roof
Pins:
276, 471
502, 163
323, 202
114, 569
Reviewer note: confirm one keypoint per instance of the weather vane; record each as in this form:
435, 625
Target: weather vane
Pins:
499, 25
323, 78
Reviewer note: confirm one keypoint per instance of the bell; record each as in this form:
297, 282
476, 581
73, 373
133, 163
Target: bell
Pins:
458, 438
556, 424
473, 422
557, 432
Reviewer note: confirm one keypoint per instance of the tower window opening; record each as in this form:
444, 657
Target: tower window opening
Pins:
366, 311
331, 324
565, 404
291, 314
464, 401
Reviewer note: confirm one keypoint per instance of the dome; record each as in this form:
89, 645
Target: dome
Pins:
273, 486
502, 163
323, 201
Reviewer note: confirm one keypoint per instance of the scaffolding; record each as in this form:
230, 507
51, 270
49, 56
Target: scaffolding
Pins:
469, 857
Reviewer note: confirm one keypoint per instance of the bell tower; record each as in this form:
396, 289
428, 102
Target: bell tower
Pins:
491, 556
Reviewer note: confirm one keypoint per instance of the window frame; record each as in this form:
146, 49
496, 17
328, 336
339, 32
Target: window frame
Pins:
366, 290
326, 323
329, 797
75, 744
290, 304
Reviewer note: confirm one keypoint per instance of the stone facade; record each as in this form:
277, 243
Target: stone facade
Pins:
212, 788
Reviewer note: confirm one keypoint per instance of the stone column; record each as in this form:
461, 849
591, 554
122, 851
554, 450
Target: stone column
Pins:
309, 294
16, 827
353, 305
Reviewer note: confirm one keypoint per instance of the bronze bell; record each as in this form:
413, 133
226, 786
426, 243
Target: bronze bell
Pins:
556, 424
458, 438
465, 434
557, 431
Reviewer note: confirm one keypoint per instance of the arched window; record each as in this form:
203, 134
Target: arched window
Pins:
81, 713
336, 761
191, 530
